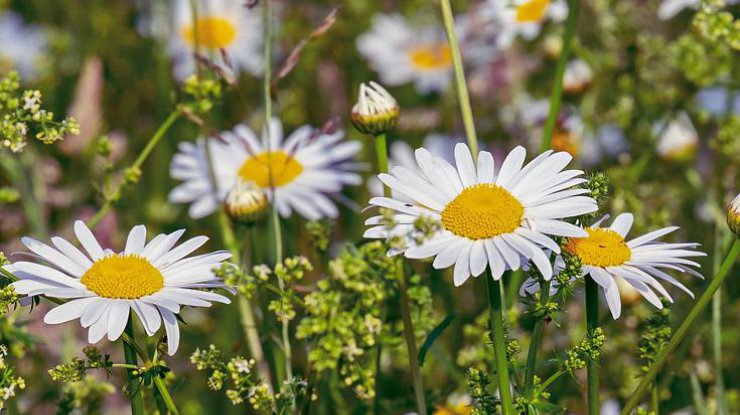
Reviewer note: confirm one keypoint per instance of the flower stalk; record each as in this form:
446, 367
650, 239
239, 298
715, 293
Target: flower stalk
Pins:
499, 345
134, 386
557, 90
683, 329
592, 365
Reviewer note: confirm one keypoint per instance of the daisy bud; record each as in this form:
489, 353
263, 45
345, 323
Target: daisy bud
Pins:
376, 110
246, 203
733, 215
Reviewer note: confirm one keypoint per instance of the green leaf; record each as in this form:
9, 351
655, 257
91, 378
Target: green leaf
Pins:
433, 336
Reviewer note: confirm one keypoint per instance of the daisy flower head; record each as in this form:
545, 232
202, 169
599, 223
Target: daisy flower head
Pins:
152, 280
733, 215
376, 111
215, 28
402, 54
497, 219
607, 256
296, 174
21, 46
524, 18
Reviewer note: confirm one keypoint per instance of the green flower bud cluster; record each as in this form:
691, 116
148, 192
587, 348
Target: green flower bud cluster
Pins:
10, 382
76, 369
701, 60
424, 229
8, 195
84, 397
238, 278
22, 116
726, 141
588, 349
346, 313
8, 297
243, 383
200, 95
655, 335
290, 271
478, 385
716, 25
319, 232
598, 184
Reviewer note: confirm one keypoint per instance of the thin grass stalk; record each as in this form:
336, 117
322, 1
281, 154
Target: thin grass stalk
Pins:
683, 329
557, 90
592, 366
134, 385
499, 345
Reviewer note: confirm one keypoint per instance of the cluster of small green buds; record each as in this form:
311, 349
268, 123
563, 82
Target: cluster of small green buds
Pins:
598, 184
10, 383
8, 297
199, 96
246, 203
3, 259
589, 349
84, 397
22, 115
717, 25
244, 383
656, 334
238, 278
376, 111
319, 232
76, 369
478, 386
570, 273
733, 215
8, 195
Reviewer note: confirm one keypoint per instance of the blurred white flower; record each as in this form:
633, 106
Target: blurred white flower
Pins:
21, 46
523, 18
577, 76
296, 173
219, 28
677, 138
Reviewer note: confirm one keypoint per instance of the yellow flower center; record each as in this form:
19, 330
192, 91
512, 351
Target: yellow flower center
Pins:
431, 56
210, 32
531, 11
259, 169
123, 277
460, 409
482, 211
601, 248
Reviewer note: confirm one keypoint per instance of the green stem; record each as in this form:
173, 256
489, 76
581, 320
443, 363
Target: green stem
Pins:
719, 383
275, 217
696, 392
654, 392
460, 83
592, 366
166, 397
557, 90
683, 329
534, 344
381, 150
408, 332
134, 385
116, 195
499, 344
547, 383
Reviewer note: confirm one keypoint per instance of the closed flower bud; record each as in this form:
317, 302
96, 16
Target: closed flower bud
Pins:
733, 215
376, 110
246, 203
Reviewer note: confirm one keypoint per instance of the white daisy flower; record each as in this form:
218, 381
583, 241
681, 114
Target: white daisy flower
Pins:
677, 138
606, 256
21, 46
221, 25
524, 18
401, 154
153, 279
296, 174
489, 219
401, 54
